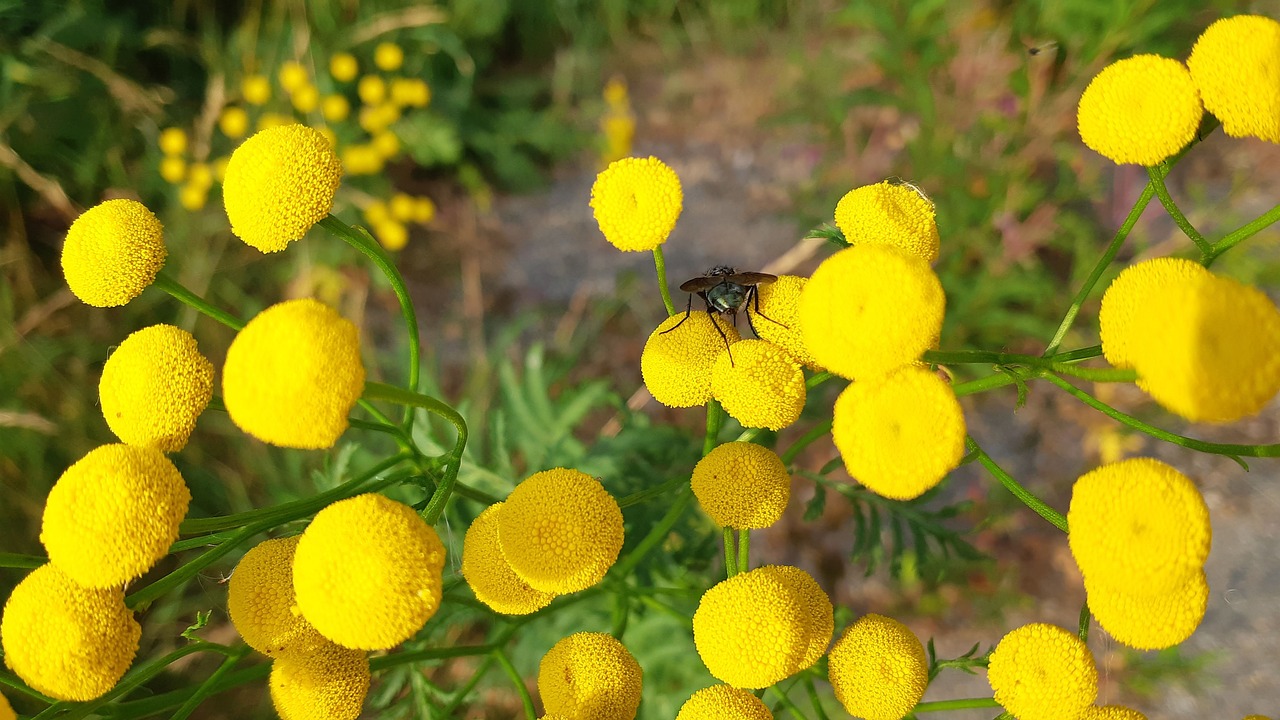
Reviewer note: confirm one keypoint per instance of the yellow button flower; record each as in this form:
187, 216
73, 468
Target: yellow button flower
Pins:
401, 207
1236, 66
891, 214
154, 386
636, 202
1138, 525
292, 375
723, 702
388, 56
1112, 712
113, 252
344, 67
233, 122
870, 309
262, 605
173, 141
424, 210
392, 235
590, 676
372, 89
1150, 622
813, 601
256, 89
367, 572
899, 435
173, 169
409, 92
293, 76
490, 575
759, 384
878, 669
742, 485
560, 530
678, 356
1140, 110
306, 98
6, 710
64, 640
1043, 672
279, 183
335, 108
780, 324
113, 514
1129, 295
328, 683
387, 144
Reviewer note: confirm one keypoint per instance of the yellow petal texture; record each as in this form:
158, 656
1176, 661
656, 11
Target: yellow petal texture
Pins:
328, 683
1138, 525
678, 356
1236, 66
113, 252
262, 605
890, 214
367, 572
1043, 672
1140, 110
113, 514
1112, 712
878, 669
1129, 295
636, 202
292, 375
65, 640
780, 324
870, 309
279, 183
154, 386
759, 384
1150, 622
560, 530
590, 676
723, 702
742, 485
490, 575
899, 435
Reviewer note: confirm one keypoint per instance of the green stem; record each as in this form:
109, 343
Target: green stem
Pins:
518, 681
1078, 354
656, 535
1026, 496
715, 417
1085, 617
965, 704
990, 382
815, 432
1162, 192
186, 297
18, 560
730, 553
464, 691
786, 702
1242, 233
640, 496
813, 697
744, 550
660, 263
206, 688
444, 653
156, 704
996, 358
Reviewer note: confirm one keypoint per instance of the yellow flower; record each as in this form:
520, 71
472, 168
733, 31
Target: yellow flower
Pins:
154, 386
723, 702
388, 56
220, 167
1113, 712
409, 92
678, 356
335, 108
361, 159
424, 210
878, 669
778, 319
173, 169
560, 530
328, 683
372, 89
1129, 295
899, 435
890, 214
376, 212
113, 252
261, 601
305, 98
269, 120
64, 640
113, 514
1256, 717
200, 175
392, 235
636, 202
742, 485
401, 207
193, 197
292, 375
1138, 525
173, 141
590, 676
293, 76
386, 143
759, 384
1140, 110
1149, 622
279, 183
869, 309
6, 710
490, 575
813, 601
233, 122
1043, 672
256, 89
367, 572
1236, 67
343, 67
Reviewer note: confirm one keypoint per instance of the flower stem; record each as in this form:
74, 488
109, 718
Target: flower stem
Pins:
186, 297
1162, 191
730, 553
206, 688
656, 535
715, 417
1085, 617
18, 560
1026, 496
1240, 234
660, 264
787, 703
744, 550
815, 432
518, 681
965, 704
1052, 363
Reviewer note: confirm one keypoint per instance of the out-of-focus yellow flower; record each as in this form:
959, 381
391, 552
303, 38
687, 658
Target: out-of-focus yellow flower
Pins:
154, 386
1236, 67
619, 130
759, 384
65, 640
742, 485
329, 683
292, 375
293, 76
1148, 621
1140, 110
723, 702
401, 207
173, 141
678, 357
113, 252
200, 175
388, 56
409, 92
173, 169
279, 183
344, 67
490, 575
778, 319
256, 89
387, 144
306, 98
615, 93
590, 676
878, 669
6, 710
262, 605
1129, 295
1043, 672
372, 89
890, 214
392, 235
220, 167
268, 120
1113, 712
376, 212
361, 159
367, 572
233, 122
335, 108
192, 196
424, 210
636, 202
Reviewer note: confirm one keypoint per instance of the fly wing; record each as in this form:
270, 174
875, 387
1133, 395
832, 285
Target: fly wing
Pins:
751, 278
700, 284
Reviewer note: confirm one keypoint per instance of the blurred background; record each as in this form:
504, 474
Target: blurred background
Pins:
471, 131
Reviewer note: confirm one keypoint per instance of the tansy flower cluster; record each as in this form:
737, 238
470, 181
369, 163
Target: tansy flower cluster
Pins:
590, 676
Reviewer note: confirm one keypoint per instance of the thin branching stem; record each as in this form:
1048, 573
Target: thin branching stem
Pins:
660, 264
1162, 191
1027, 497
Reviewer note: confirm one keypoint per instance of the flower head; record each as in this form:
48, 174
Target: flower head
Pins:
328, 683
6, 710
173, 141
878, 669
154, 386
279, 183
262, 605
113, 514
742, 485
113, 252
1129, 295
1113, 712
560, 530
890, 214
367, 572
344, 67
778, 319
1043, 672
372, 89
293, 76
678, 356
899, 435
759, 384
490, 575
813, 601
256, 89
388, 56
233, 122
65, 640
723, 702
869, 309
293, 373
1149, 622
637, 201
1140, 110
1236, 67
590, 676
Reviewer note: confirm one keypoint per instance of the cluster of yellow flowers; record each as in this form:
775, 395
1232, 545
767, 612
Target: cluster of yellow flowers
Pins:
618, 124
